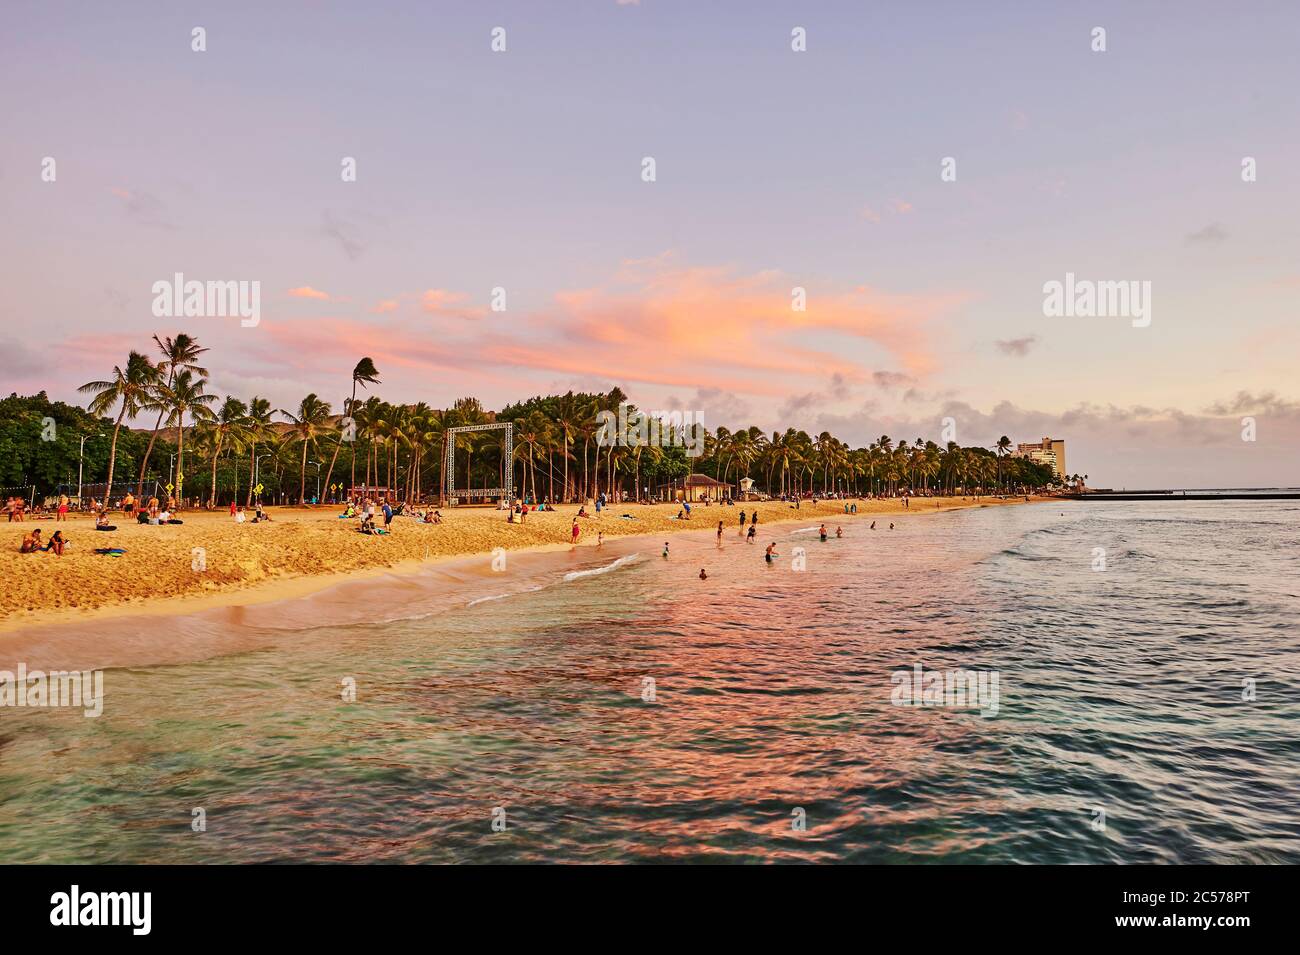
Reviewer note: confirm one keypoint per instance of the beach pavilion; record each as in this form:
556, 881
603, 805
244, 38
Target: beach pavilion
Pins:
698, 488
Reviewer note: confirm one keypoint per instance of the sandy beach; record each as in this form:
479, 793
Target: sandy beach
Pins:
305, 549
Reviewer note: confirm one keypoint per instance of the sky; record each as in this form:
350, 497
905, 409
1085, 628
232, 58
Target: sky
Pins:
774, 169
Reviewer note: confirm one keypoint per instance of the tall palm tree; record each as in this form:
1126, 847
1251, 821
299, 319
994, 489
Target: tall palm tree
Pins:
178, 353
1002, 449
185, 396
363, 374
308, 424
225, 426
130, 386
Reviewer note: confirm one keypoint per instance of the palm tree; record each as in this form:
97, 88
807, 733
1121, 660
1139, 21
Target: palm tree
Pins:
308, 424
178, 353
226, 425
185, 395
130, 387
363, 374
257, 430
1002, 448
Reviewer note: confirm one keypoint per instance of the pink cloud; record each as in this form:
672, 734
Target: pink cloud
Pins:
383, 306
440, 301
306, 291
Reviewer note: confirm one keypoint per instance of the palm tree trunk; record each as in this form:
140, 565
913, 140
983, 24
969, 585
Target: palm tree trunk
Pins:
252, 461
302, 485
212, 497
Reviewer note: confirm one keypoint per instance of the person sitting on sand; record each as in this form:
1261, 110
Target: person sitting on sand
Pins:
55, 544
31, 542
771, 552
582, 511
102, 524
239, 515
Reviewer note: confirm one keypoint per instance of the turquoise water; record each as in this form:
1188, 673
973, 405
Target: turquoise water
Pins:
1120, 690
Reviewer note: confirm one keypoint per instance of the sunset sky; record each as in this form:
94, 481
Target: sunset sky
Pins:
775, 169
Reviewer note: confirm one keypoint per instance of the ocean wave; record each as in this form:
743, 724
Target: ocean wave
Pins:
512, 593
625, 561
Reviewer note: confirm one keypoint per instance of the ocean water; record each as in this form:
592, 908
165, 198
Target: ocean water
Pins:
1146, 712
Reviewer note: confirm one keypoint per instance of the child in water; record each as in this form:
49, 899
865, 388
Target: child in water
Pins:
839, 532
665, 550
703, 575
822, 532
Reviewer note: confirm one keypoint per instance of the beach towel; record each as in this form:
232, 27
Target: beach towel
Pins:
111, 551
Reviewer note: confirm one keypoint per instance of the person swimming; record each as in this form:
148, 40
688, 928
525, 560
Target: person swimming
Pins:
770, 552
703, 575
891, 525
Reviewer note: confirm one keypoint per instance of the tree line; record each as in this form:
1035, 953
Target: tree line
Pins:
156, 405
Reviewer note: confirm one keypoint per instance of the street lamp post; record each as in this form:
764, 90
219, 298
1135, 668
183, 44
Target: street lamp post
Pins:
257, 472
81, 454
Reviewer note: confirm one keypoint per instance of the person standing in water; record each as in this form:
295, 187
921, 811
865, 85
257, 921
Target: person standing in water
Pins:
749, 538
771, 552
665, 550
822, 531
719, 533
703, 575
839, 532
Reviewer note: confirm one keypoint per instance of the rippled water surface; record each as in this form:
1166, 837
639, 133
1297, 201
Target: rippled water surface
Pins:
1120, 691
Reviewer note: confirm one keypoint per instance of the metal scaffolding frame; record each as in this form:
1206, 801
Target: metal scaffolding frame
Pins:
509, 451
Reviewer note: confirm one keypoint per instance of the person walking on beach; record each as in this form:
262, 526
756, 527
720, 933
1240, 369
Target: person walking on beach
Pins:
388, 513
719, 532
665, 550
576, 532
63, 508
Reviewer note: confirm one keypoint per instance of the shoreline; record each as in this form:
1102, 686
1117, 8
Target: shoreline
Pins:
282, 587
